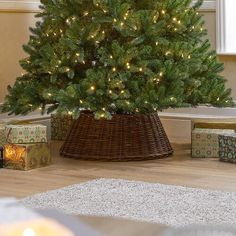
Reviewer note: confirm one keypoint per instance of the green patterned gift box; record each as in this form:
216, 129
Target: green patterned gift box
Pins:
28, 133
227, 149
60, 126
2, 134
205, 143
27, 156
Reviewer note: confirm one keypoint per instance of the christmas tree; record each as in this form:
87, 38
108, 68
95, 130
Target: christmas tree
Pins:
117, 57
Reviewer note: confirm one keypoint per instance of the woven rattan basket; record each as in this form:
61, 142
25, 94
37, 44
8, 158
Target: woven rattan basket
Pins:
124, 138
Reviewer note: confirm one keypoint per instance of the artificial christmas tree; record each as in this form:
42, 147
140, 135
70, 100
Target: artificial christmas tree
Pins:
118, 58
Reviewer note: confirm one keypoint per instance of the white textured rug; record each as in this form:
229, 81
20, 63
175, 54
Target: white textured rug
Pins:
165, 204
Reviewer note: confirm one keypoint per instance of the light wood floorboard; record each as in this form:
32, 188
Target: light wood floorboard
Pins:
180, 169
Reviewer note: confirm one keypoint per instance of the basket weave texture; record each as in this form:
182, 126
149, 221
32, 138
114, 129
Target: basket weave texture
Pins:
124, 138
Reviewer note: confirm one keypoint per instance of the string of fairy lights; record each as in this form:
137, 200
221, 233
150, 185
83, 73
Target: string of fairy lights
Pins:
174, 25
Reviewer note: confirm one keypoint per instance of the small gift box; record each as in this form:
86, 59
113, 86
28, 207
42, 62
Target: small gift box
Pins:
28, 133
26, 156
227, 148
60, 126
205, 142
2, 134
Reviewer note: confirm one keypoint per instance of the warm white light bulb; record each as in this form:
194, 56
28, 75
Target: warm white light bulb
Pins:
29, 232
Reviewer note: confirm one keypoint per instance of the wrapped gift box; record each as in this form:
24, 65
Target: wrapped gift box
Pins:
2, 134
227, 148
60, 126
205, 142
28, 133
26, 156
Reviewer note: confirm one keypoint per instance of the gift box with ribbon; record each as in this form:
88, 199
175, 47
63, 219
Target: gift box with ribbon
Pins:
26, 133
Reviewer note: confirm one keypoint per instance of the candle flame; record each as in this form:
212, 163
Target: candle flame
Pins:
29, 232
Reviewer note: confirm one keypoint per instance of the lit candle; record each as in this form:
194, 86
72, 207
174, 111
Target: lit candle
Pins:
29, 232
40, 227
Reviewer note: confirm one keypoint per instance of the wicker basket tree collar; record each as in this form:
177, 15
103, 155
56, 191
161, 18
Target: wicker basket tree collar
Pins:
123, 138
117, 57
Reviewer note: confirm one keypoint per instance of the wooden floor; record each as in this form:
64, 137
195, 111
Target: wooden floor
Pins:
180, 169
